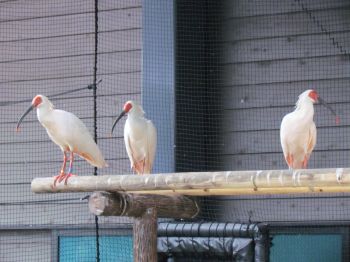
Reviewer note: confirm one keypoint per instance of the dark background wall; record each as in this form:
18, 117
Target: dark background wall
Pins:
240, 67
198, 86
239, 74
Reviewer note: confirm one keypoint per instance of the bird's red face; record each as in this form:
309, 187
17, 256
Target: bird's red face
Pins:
37, 100
127, 107
313, 95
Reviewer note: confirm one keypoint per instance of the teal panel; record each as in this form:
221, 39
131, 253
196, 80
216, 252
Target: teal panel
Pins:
112, 248
306, 248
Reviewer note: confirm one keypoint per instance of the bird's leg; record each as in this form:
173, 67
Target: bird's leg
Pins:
143, 166
289, 160
305, 161
62, 174
70, 168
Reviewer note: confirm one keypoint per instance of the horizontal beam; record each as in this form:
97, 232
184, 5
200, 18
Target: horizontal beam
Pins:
135, 205
208, 183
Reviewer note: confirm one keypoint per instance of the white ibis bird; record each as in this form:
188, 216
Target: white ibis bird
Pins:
140, 137
298, 130
68, 132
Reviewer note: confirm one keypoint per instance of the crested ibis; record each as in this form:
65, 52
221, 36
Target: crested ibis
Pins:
140, 137
68, 132
298, 130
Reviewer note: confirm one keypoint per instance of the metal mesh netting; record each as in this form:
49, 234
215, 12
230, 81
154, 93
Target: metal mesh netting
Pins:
216, 79
48, 48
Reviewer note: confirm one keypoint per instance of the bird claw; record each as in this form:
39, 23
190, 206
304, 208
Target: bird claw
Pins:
58, 178
61, 177
67, 176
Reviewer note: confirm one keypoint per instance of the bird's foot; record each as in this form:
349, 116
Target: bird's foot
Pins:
68, 176
58, 178
65, 178
139, 167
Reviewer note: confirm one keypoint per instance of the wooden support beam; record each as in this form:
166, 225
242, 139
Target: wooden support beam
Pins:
208, 183
134, 205
145, 236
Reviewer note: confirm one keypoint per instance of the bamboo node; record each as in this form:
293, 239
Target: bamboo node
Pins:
268, 178
295, 174
280, 178
339, 174
147, 180
227, 175
121, 181
253, 177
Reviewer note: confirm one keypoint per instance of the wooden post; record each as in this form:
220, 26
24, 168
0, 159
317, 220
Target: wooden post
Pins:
145, 209
145, 236
135, 205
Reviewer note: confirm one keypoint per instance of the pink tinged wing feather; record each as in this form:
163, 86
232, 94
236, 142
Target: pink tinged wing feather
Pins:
312, 139
140, 142
283, 138
151, 146
68, 131
129, 150
297, 142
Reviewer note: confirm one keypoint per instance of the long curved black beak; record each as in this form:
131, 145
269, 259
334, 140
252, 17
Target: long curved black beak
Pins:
116, 121
23, 116
326, 105
322, 102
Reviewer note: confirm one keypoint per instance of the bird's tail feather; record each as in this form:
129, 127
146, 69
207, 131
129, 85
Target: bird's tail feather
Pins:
97, 162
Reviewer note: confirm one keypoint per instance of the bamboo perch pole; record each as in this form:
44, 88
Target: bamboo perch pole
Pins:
208, 183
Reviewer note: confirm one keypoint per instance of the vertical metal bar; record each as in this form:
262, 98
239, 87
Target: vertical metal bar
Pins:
95, 119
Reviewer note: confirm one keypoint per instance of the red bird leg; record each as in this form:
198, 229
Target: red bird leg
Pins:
62, 174
143, 166
70, 168
305, 161
289, 160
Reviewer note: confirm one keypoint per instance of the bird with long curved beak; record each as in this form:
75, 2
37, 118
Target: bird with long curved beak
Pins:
140, 137
298, 130
68, 132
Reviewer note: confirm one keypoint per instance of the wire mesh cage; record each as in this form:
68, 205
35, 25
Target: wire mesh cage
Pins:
215, 77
